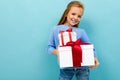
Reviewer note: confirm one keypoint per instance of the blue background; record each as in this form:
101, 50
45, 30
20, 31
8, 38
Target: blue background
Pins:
24, 31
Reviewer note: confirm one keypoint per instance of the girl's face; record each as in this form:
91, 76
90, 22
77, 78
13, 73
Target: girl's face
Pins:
73, 16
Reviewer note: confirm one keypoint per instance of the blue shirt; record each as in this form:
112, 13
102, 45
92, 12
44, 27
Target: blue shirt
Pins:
54, 40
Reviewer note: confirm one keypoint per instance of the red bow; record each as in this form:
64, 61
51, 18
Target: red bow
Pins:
76, 52
68, 30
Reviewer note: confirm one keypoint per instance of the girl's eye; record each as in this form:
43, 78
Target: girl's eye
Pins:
79, 16
73, 13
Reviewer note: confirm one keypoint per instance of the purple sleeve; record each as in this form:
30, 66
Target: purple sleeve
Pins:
51, 43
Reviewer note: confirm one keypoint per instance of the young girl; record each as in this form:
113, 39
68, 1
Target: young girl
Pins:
70, 19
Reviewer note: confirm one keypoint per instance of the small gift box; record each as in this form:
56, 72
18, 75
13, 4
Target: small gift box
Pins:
66, 36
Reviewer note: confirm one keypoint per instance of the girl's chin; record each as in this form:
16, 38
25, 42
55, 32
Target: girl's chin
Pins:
73, 24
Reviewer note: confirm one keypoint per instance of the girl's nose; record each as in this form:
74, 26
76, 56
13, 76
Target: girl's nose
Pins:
75, 17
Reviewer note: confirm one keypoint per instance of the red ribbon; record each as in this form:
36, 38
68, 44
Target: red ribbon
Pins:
76, 52
62, 37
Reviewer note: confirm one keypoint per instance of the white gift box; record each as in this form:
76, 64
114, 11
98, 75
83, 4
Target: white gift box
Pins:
65, 56
87, 55
66, 37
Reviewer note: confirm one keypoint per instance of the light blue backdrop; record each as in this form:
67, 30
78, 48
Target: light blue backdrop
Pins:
24, 30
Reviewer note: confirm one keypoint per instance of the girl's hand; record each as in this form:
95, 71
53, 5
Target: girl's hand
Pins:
96, 63
56, 52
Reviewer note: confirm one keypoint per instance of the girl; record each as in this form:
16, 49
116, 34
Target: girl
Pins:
70, 19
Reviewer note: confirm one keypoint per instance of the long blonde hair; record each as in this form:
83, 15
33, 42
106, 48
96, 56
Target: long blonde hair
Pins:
71, 4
